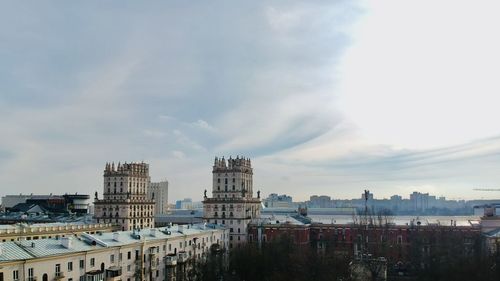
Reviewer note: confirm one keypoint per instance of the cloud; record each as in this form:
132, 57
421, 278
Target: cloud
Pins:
327, 96
202, 124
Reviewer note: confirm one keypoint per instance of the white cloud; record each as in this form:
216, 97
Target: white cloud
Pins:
202, 124
402, 100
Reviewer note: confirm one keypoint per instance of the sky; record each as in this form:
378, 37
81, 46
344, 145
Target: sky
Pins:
325, 97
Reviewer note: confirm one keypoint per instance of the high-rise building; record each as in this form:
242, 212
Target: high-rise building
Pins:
158, 192
232, 203
125, 200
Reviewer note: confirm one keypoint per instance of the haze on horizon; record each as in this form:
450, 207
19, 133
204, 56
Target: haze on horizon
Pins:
325, 97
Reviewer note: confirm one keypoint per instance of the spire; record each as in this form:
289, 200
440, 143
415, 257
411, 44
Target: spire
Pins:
113, 166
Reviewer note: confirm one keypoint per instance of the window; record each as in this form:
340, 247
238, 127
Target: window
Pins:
58, 269
15, 274
31, 273
128, 267
120, 257
112, 258
129, 255
82, 264
70, 266
92, 262
170, 247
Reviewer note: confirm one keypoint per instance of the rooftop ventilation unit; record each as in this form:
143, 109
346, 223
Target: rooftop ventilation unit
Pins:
116, 236
67, 242
180, 228
93, 240
135, 235
167, 232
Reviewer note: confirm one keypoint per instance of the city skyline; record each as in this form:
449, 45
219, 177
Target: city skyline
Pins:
325, 98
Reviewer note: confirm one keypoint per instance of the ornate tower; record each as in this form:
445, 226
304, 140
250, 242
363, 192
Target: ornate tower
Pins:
125, 200
232, 203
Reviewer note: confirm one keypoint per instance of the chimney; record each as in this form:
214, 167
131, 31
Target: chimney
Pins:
116, 236
67, 242
181, 229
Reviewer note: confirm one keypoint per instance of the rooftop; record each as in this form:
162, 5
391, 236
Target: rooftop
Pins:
30, 249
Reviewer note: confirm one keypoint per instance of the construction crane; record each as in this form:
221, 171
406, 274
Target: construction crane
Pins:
486, 189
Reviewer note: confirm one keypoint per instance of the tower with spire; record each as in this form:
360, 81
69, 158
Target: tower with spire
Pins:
125, 201
232, 203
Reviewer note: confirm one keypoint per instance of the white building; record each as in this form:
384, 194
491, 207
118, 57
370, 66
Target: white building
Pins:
125, 200
151, 254
232, 203
158, 192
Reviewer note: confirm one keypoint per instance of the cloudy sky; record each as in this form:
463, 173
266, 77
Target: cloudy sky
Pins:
326, 97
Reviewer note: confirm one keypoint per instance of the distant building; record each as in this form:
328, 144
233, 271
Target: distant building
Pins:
419, 201
125, 200
232, 203
158, 192
278, 201
370, 196
321, 201
67, 203
185, 204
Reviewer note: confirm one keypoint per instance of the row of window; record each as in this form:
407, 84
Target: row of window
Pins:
130, 184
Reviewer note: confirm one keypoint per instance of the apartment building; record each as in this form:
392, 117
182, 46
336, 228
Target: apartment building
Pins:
148, 254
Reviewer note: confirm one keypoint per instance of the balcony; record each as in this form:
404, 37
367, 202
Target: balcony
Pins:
152, 261
113, 273
182, 257
59, 276
171, 260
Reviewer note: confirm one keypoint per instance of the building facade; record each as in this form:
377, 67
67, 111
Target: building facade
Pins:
232, 203
125, 201
22, 231
149, 254
158, 192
